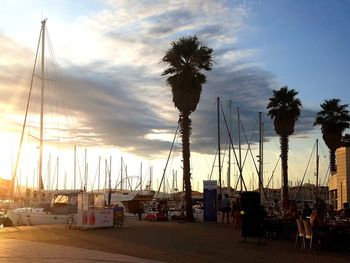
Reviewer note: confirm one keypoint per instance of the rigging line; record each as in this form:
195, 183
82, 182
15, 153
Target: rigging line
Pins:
205, 156
80, 173
93, 181
63, 98
212, 167
137, 185
326, 176
256, 168
171, 148
237, 182
54, 177
249, 148
167, 185
307, 166
148, 169
56, 86
127, 177
234, 151
223, 156
172, 161
268, 125
211, 119
273, 172
25, 117
118, 179
128, 181
225, 152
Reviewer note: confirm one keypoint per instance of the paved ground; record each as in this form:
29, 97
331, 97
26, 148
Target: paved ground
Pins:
12, 250
160, 241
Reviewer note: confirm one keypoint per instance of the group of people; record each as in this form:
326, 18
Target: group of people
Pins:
231, 210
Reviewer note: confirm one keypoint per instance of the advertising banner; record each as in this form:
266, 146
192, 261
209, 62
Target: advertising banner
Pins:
94, 218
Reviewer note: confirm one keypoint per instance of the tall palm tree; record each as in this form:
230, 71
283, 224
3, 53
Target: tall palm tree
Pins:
334, 119
284, 109
184, 62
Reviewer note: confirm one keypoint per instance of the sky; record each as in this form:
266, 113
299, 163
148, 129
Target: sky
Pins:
109, 56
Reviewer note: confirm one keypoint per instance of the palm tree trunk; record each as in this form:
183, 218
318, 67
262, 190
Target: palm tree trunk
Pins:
284, 161
332, 160
185, 131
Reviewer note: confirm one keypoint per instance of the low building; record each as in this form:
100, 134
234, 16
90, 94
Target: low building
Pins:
273, 194
339, 181
306, 192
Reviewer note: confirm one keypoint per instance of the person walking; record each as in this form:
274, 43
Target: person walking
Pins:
226, 209
236, 214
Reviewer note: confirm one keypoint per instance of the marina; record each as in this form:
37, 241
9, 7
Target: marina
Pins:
174, 131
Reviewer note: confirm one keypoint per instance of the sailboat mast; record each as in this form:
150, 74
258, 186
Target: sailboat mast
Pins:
25, 120
49, 173
229, 153
58, 167
261, 157
239, 149
99, 173
151, 177
317, 168
75, 167
110, 181
43, 25
85, 171
219, 147
141, 177
121, 173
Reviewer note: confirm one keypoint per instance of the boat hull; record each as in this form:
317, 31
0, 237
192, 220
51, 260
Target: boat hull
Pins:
132, 201
32, 216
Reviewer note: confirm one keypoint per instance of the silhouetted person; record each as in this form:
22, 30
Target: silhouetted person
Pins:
306, 211
346, 210
226, 209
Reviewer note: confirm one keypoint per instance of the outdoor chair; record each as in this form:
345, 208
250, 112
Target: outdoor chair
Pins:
308, 232
300, 233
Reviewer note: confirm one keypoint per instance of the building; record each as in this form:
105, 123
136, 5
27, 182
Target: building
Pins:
305, 192
339, 181
308, 192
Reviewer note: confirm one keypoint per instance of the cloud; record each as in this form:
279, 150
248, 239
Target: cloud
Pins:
113, 86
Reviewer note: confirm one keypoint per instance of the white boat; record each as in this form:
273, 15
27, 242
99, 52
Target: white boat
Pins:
136, 195
130, 200
62, 204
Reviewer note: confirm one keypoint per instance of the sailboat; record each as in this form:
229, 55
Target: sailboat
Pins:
131, 199
51, 206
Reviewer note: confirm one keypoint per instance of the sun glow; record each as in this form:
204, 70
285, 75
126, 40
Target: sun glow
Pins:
6, 155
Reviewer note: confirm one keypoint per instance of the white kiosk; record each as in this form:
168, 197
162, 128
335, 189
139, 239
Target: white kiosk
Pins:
92, 212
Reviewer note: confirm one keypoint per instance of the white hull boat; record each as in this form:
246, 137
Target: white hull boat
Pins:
62, 204
35, 216
130, 200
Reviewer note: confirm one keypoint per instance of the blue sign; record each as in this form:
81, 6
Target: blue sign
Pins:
210, 200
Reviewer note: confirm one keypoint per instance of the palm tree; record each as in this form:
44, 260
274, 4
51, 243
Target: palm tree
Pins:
184, 62
284, 109
334, 119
